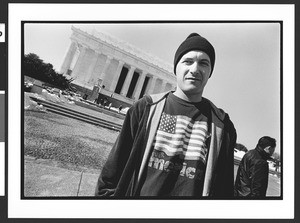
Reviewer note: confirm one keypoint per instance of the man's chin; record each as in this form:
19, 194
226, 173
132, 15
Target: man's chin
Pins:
192, 91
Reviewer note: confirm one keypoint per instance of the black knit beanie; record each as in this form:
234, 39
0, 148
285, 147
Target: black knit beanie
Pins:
195, 42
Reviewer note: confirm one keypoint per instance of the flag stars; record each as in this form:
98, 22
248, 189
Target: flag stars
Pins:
167, 123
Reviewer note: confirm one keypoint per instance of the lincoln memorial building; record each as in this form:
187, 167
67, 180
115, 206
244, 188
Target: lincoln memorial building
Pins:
116, 69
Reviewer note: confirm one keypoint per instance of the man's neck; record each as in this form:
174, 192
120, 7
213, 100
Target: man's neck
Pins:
190, 98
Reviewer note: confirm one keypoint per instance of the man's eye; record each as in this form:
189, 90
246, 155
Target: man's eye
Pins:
205, 63
187, 62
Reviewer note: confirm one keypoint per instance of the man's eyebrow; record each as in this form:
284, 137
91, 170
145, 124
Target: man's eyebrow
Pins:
187, 58
193, 58
206, 60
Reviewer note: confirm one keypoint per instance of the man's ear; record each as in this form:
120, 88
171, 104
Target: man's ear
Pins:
267, 149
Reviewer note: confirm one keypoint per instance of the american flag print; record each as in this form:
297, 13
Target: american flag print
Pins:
183, 136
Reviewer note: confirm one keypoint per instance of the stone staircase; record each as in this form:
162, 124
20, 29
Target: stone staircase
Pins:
72, 113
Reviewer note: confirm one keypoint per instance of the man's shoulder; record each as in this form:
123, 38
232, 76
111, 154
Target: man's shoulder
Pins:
141, 103
249, 157
249, 154
155, 98
218, 112
255, 156
149, 99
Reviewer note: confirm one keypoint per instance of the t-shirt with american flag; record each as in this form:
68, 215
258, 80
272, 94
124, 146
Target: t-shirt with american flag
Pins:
177, 164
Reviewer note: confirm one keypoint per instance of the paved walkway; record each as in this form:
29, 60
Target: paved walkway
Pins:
43, 178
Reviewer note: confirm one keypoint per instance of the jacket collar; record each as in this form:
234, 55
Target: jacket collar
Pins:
219, 113
262, 153
155, 98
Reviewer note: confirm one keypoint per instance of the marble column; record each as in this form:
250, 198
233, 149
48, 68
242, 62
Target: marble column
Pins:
68, 57
152, 86
79, 62
139, 85
163, 86
169, 87
116, 76
127, 81
93, 80
91, 68
107, 63
75, 59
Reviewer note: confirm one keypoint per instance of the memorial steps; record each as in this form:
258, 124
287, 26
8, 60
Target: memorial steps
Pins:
62, 110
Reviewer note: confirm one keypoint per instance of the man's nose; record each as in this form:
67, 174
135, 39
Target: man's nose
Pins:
196, 68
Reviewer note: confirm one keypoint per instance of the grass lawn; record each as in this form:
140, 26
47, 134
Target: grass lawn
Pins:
68, 142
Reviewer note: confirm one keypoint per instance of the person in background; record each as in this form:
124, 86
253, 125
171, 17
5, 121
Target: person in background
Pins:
105, 102
120, 108
109, 106
174, 143
253, 172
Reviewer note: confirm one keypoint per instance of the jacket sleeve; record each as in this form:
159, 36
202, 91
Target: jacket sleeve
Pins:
224, 186
259, 179
229, 168
119, 154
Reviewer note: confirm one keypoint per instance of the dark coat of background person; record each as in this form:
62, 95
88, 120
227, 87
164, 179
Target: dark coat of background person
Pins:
253, 174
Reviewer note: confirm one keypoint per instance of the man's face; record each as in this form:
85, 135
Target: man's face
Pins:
270, 150
192, 72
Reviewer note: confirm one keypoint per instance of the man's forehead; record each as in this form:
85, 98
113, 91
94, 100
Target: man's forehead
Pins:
196, 53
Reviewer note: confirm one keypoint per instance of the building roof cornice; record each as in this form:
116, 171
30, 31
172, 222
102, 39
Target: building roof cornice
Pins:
127, 47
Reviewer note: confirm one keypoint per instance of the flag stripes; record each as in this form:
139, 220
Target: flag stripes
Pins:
180, 135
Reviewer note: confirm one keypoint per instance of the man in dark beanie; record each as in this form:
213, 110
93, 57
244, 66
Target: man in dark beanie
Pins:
175, 143
253, 173
195, 42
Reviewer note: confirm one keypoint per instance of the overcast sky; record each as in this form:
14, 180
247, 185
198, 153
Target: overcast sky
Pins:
246, 78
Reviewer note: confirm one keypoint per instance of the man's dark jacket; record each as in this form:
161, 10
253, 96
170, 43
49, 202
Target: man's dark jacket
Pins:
123, 174
253, 174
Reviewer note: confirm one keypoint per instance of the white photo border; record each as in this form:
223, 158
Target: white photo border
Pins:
179, 209
2, 147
